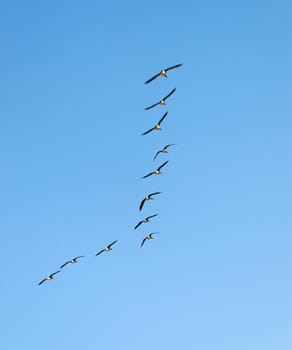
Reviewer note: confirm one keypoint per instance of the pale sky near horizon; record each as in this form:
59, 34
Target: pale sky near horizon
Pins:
217, 276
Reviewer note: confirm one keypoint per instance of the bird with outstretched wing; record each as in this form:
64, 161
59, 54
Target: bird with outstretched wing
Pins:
147, 198
107, 248
163, 150
163, 73
50, 277
148, 237
162, 101
72, 261
155, 172
145, 220
157, 126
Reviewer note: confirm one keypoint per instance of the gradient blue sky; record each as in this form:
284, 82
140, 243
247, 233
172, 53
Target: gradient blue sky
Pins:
72, 111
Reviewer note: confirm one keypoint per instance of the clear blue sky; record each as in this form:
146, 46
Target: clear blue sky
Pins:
72, 111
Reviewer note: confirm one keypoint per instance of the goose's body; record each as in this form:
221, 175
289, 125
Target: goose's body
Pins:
72, 261
107, 248
147, 198
49, 278
148, 237
162, 101
145, 220
162, 73
163, 150
157, 171
157, 126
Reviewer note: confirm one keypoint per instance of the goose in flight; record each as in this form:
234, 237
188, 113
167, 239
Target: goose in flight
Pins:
148, 237
157, 171
163, 150
147, 198
157, 126
107, 248
145, 220
50, 277
72, 261
162, 73
162, 101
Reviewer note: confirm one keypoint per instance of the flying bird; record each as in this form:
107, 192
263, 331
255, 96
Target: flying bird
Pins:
157, 126
145, 220
147, 198
148, 237
50, 277
162, 73
157, 171
161, 102
72, 261
163, 150
107, 248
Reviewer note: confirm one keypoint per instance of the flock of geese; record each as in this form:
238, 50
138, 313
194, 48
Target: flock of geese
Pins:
162, 73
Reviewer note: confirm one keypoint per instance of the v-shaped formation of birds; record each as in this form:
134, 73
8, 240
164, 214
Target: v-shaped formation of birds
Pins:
157, 171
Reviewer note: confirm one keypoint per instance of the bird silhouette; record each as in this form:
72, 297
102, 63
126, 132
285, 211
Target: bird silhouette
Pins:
145, 220
72, 261
147, 198
107, 248
162, 101
162, 73
163, 150
49, 278
157, 126
148, 237
157, 171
